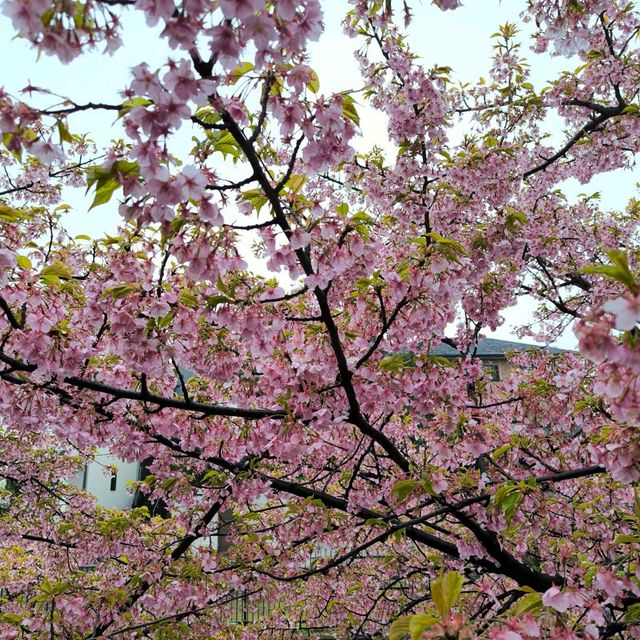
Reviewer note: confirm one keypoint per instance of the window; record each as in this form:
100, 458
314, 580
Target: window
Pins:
492, 370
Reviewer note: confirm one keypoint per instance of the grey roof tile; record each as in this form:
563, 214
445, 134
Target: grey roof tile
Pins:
491, 348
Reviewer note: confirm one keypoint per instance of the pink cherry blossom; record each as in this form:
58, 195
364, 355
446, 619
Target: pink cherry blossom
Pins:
191, 183
241, 9
260, 29
445, 5
181, 81
25, 17
559, 600
626, 310
282, 339
236, 109
287, 9
7, 259
299, 239
226, 44
46, 151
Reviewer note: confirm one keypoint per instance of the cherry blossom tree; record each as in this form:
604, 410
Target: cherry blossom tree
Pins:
370, 488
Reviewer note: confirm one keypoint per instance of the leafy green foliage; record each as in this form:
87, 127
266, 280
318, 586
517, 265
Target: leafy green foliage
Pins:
510, 495
256, 197
107, 181
398, 362
450, 249
618, 269
349, 109
404, 488
529, 603
445, 591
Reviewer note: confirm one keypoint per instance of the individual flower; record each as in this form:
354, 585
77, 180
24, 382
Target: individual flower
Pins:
445, 5
191, 183
46, 151
240, 9
299, 239
559, 600
626, 310
181, 81
287, 9
235, 107
209, 212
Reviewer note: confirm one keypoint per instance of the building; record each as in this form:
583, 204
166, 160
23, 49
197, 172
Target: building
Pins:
493, 354
108, 478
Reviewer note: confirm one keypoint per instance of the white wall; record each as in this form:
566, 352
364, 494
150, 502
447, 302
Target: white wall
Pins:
97, 480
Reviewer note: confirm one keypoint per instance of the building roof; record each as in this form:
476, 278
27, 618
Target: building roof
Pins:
491, 348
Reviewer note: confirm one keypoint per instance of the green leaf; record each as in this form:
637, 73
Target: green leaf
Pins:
256, 197
65, 135
47, 16
215, 300
361, 217
439, 360
403, 488
107, 181
11, 618
207, 115
514, 219
633, 612
108, 240
314, 83
400, 628
227, 146
420, 622
398, 362
57, 269
24, 262
121, 290
189, 300
626, 539
9, 214
362, 222
168, 483
590, 402
412, 626
349, 110
52, 588
221, 286
295, 183
166, 320
618, 269
527, 604
16, 151
501, 451
510, 505
445, 591
508, 499
131, 103
242, 69
454, 244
